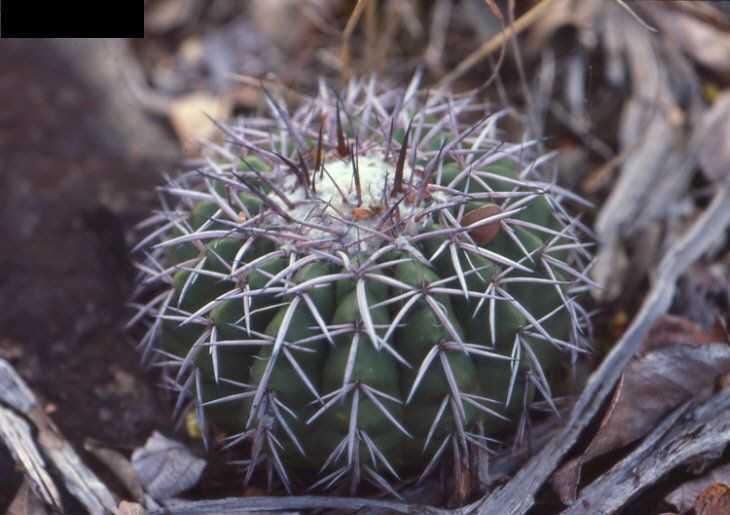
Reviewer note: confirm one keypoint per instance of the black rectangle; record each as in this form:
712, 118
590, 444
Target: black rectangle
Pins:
36, 19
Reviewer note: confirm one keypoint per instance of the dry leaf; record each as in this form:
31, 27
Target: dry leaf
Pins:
670, 329
713, 139
130, 508
684, 497
658, 163
714, 501
120, 467
26, 502
167, 15
166, 467
190, 118
704, 42
563, 13
677, 363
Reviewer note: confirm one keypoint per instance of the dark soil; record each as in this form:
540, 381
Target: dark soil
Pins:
66, 200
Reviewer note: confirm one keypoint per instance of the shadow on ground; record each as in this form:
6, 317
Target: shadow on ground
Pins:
67, 196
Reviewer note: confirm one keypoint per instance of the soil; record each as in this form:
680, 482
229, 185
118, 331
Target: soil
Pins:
67, 199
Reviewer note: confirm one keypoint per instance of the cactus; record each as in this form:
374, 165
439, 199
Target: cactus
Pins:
363, 287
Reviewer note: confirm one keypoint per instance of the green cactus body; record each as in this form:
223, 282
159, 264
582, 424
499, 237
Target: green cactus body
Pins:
355, 304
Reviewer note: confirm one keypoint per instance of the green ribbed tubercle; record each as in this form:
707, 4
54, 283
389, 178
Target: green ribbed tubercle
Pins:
369, 336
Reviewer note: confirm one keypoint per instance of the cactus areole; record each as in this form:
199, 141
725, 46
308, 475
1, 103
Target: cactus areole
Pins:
363, 289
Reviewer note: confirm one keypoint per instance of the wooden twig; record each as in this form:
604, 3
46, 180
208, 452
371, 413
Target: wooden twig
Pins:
78, 479
518, 495
15, 432
682, 436
304, 502
636, 16
289, 94
494, 43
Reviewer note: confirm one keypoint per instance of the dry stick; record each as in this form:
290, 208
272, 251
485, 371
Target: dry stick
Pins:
494, 43
684, 435
518, 495
531, 111
17, 435
290, 94
79, 480
433, 55
305, 502
392, 19
636, 16
371, 37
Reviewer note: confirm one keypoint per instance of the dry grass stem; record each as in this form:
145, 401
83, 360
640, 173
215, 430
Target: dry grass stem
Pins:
345, 56
276, 85
489, 46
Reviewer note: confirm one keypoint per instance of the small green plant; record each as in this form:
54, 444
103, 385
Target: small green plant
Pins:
363, 287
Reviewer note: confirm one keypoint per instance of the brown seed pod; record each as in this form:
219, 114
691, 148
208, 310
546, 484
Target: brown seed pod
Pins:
486, 232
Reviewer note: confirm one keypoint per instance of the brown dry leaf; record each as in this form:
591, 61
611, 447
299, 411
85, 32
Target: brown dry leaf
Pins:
670, 329
26, 502
167, 15
684, 497
120, 466
704, 42
677, 362
562, 13
130, 508
698, 28
714, 501
711, 12
189, 116
712, 136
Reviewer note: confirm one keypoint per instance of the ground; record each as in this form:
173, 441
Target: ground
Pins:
65, 198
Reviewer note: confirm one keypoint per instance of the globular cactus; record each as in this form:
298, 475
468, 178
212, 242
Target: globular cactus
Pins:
365, 286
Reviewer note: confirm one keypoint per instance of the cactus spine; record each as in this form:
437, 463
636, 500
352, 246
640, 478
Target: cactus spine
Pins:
364, 286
